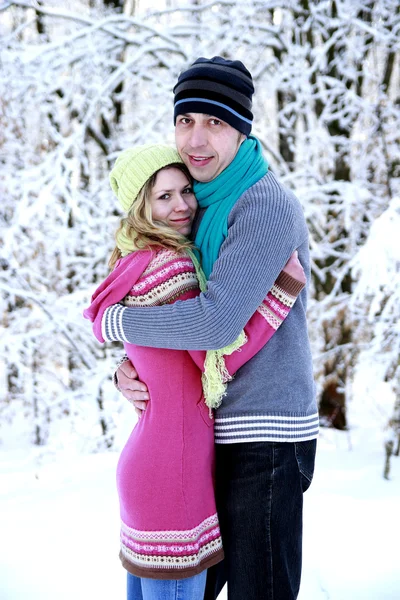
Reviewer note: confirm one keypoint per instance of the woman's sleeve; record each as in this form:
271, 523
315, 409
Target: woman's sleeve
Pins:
171, 277
268, 317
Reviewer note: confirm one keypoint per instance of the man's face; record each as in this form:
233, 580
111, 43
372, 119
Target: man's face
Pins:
206, 144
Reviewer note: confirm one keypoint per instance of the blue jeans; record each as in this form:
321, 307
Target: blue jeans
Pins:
191, 588
260, 488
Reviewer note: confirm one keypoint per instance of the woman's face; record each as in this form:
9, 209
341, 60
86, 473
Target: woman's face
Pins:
172, 200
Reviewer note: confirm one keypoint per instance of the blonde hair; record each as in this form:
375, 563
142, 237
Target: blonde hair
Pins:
140, 228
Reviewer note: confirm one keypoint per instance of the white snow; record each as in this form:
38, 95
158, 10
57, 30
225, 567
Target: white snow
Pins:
59, 516
59, 526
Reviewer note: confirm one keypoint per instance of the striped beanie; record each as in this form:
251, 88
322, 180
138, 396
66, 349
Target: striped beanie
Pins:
219, 87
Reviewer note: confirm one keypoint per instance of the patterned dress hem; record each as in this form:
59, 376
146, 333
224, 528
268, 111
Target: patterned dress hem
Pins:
184, 573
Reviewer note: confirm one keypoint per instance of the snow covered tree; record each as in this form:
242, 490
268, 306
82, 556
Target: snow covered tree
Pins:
79, 84
340, 58
376, 302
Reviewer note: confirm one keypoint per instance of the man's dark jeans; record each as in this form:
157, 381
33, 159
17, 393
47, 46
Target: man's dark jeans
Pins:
260, 489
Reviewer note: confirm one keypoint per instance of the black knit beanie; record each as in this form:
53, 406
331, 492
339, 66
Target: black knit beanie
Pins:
218, 87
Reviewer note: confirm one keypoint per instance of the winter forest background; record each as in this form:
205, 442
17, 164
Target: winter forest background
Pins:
82, 80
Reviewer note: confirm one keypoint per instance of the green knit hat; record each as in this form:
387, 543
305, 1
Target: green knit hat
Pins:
135, 166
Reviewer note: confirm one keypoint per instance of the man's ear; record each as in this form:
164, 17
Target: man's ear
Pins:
242, 137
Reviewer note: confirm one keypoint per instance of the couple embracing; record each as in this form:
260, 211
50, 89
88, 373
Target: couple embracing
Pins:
208, 294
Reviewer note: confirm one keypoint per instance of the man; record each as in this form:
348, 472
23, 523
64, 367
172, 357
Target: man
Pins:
265, 431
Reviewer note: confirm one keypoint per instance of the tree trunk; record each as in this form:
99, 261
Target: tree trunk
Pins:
338, 328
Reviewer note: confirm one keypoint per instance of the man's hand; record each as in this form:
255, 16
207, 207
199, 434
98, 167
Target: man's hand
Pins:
136, 391
131, 388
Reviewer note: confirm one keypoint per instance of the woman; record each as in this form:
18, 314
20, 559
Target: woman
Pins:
170, 532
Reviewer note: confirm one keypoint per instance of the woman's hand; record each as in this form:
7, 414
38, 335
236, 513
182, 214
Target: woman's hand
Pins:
293, 267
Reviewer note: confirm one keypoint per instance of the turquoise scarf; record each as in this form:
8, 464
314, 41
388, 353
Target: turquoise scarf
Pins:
219, 196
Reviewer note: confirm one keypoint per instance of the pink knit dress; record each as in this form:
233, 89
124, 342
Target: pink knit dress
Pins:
165, 474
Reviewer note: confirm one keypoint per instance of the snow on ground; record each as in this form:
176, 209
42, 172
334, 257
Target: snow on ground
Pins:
59, 521
351, 524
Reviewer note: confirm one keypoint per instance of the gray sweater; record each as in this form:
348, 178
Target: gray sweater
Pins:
272, 397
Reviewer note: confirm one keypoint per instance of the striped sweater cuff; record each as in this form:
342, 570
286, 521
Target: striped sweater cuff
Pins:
289, 284
111, 324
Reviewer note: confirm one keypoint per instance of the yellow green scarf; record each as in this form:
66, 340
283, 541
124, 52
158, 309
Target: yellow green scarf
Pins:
215, 375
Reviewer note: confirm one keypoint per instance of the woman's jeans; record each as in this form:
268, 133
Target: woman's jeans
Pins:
191, 588
260, 489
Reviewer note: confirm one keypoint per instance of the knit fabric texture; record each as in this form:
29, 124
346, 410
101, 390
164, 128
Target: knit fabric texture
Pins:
169, 525
219, 87
135, 166
165, 480
215, 375
273, 399
220, 195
